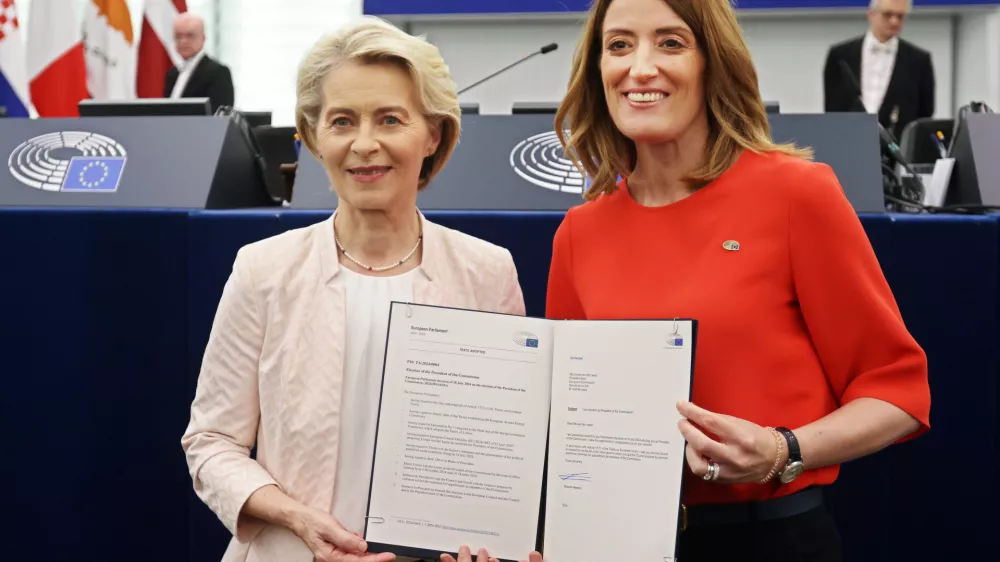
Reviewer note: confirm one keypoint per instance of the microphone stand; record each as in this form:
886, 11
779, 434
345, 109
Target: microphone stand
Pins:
898, 195
542, 51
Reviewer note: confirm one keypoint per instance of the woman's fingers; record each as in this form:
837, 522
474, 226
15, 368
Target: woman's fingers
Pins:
705, 446
698, 463
465, 555
717, 424
341, 538
351, 557
533, 557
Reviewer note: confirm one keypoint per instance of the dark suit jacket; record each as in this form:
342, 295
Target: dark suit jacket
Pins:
210, 79
911, 89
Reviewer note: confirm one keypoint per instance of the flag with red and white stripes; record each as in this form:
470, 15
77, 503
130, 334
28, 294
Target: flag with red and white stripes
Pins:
57, 73
156, 46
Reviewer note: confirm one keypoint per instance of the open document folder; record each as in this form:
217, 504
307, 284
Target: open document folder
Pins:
472, 402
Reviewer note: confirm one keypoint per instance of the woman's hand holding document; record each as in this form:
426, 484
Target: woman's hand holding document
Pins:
469, 402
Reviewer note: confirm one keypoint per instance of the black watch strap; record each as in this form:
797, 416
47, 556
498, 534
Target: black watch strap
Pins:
794, 454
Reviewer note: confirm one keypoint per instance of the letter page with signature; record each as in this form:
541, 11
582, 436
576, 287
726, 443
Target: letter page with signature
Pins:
460, 446
616, 455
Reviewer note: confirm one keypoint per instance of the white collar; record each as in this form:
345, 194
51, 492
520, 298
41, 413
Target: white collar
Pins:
870, 43
192, 62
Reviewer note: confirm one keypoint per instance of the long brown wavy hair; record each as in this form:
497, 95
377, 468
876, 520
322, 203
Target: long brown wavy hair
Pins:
736, 113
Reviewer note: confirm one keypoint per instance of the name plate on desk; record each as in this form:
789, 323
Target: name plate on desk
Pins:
178, 162
515, 162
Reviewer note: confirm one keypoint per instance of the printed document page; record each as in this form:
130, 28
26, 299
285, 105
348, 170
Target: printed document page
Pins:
460, 449
616, 455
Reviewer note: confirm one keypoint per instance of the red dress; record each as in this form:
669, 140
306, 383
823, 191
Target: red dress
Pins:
795, 316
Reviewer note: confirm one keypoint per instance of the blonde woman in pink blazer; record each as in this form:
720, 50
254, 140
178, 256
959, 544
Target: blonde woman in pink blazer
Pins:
294, 362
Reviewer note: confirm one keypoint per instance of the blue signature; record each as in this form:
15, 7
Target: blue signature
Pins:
580, 476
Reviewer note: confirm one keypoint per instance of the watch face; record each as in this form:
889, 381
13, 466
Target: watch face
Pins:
792, 472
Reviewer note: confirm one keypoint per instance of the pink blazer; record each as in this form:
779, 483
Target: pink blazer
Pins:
272, 372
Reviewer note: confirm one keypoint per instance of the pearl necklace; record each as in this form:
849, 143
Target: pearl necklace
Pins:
379, 269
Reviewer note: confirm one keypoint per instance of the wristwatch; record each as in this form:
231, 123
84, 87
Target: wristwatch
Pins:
794, 467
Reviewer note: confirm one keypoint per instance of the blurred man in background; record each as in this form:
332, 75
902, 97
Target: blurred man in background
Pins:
896, 77
199, 76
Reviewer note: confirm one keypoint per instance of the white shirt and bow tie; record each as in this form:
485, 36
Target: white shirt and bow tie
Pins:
185, 70
877, 62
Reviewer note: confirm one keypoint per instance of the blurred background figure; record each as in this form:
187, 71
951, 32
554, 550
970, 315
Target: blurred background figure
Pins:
896, 77
199, 76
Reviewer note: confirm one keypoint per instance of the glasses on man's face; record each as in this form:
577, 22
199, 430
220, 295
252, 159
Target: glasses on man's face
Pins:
185, 36
889, 15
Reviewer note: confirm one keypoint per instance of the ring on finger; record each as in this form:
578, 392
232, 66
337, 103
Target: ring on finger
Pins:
713, 471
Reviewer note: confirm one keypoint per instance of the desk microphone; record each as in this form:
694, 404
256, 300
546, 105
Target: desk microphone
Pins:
887, 137
546, 49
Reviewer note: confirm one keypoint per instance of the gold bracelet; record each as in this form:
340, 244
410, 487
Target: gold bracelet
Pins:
777, 460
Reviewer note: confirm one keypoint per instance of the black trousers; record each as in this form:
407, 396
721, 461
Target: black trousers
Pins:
809, 537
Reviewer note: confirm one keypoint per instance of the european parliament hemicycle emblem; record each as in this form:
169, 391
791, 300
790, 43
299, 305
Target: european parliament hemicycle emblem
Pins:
540, 160
69, 161
526, 339
675, 340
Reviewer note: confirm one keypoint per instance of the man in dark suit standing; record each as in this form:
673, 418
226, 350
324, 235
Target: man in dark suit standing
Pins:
896, 77
199, 76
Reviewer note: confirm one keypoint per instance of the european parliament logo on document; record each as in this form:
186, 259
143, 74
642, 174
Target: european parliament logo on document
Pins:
69, 162
674, 339
526, 339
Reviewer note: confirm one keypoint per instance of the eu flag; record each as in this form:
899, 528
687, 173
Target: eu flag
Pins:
94, 174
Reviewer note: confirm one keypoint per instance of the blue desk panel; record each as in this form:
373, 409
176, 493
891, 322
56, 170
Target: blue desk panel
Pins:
93, 340
943, 272
107, 315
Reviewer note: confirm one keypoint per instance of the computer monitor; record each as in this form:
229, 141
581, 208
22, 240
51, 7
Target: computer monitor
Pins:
257, 118
528, 108
772, 107
469, 108
975, 175
145, 107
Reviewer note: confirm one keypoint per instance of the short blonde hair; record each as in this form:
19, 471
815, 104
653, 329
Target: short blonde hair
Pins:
372, 40
736, 115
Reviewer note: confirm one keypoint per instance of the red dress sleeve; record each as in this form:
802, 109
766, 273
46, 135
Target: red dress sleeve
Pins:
849, 310
561, 300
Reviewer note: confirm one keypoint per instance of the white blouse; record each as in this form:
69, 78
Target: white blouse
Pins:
368, 300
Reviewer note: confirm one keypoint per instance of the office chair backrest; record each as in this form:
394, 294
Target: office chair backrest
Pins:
236, 117
917, 143
257, 118
277, 146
